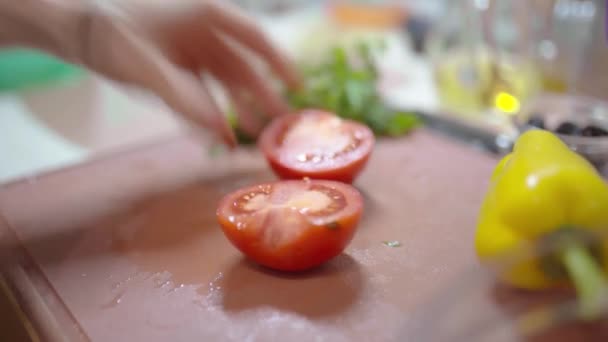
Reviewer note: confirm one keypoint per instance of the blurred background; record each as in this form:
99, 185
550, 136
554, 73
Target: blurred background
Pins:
481, 70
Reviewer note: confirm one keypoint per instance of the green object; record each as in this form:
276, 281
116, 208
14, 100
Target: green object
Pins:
588, 280
23, 69
241, 137
345, 83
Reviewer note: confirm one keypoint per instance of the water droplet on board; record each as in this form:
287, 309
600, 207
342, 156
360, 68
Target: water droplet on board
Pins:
176, 288
116, 300
121, 283
218, 277
393, 243
162, 284
117, 285
161, 280
213, 285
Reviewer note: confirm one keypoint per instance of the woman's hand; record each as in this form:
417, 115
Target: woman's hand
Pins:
166, 46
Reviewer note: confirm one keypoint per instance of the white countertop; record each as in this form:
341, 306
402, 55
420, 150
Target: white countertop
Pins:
55, 127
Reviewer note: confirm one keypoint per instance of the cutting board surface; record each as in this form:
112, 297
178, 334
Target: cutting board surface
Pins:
131, 245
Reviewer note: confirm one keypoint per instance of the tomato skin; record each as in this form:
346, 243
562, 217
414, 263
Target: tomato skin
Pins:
345, 172
319, 247
315, 245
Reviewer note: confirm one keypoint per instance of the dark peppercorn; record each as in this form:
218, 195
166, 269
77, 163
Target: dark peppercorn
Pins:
567, 128
537, 122
594, 131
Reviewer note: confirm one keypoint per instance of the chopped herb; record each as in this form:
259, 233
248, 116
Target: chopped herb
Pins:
241, 137
393, 243
333, 226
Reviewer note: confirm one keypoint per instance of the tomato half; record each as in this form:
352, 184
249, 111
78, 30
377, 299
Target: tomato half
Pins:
318, 145
291, 225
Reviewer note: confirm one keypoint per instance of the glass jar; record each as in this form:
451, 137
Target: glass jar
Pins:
494, 55
480, 51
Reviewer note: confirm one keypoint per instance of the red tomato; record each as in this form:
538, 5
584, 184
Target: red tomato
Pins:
318, 145
291, 225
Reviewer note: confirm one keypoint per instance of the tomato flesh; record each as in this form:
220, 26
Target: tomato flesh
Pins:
291, 225
318, 145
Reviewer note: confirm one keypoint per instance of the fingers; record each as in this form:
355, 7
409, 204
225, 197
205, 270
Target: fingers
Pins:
189, 96
248, 120
196, 104
200, 108
230, 20
131, 59
227, 65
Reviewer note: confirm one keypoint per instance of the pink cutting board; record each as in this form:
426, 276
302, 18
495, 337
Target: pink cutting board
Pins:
126, 248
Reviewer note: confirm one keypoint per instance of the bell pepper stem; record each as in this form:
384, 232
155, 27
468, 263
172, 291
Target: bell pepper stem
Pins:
589, 281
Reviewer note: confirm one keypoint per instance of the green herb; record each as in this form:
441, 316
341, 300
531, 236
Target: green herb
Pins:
345, 82
241, 137
393, 243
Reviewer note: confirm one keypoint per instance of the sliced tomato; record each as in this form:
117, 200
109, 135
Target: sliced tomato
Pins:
318, 145
291, 225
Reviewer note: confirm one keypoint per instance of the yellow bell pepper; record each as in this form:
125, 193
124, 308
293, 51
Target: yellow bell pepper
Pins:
544, 219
